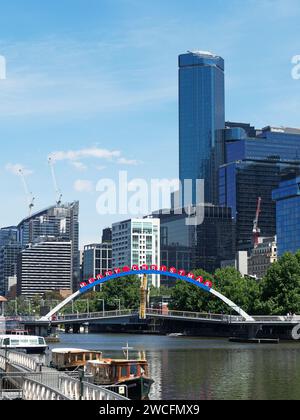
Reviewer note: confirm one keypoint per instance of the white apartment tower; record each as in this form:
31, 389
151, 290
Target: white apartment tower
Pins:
137, 242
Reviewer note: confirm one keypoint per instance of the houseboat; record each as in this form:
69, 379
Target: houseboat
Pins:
29, 343
72, 359
132, 374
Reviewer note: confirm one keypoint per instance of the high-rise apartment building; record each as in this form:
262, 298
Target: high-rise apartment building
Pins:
137, 242
59, 222
44, 267
201, 117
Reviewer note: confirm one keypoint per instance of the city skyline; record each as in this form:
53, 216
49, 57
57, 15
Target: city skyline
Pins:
64, 94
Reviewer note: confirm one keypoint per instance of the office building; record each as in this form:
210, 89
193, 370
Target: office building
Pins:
44, 267
137, 242
254, 167
201, 119
287, 197
189, 247
240, 263
262, 257
9, 250
97, 259
60, 222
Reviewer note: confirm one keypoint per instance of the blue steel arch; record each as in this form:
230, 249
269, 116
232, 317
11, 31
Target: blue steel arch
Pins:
135, 273
104, 280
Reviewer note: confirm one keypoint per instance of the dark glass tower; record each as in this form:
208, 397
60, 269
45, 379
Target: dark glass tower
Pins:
201, 118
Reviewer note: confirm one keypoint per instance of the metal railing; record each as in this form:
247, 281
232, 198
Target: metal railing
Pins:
93, 315
194, 315
37, 391
77, 390
41, 383
19, 359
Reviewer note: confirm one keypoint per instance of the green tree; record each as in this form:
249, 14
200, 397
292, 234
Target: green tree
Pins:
281, 286
243, 291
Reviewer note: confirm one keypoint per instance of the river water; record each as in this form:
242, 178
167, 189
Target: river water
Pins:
206, 369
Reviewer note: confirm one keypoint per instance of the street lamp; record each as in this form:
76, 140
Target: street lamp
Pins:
119, 300
103, 305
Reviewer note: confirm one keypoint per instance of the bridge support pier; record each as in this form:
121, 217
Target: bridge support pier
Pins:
76, 329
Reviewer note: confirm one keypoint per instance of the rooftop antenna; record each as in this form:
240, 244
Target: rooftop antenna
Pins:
57, 189
30, 197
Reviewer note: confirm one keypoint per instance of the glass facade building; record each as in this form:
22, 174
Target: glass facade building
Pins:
9, 251
287, 197
201, 117
254, 168
190, 247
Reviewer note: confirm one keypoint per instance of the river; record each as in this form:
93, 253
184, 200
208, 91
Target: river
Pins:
206, 369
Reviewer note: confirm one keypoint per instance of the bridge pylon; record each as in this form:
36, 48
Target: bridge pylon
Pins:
143, 297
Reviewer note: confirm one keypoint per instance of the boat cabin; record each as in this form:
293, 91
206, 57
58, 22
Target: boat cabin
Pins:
71, 359
32, 344
110, 371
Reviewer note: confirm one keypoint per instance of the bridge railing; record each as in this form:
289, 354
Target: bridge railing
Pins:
93, 315
194, 315
286, 318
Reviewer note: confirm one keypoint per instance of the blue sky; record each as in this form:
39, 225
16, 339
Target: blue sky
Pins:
86, 75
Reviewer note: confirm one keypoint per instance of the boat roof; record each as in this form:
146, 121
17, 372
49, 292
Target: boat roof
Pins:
14, 336
114, 361
66, 351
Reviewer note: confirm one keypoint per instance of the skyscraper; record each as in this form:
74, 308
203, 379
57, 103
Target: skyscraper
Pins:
201, 119
191, 247
255, 163
44, 267
287, 197
59, 222
9, 250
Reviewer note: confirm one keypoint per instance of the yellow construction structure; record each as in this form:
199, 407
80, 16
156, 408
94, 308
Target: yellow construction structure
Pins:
143, 296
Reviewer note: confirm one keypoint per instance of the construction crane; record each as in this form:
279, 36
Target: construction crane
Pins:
256, 229
143, 297
57, 189
30, 197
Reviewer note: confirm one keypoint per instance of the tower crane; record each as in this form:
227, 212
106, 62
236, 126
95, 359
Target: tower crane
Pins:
30, 197
256, 229
57, 189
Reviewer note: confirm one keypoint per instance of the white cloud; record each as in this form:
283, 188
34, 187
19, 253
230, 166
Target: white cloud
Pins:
83, 185
124, 161
79, 166
92, 152
15, 168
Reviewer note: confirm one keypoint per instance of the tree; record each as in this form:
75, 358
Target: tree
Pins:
243, 291
187, 297
281, 286
127, 289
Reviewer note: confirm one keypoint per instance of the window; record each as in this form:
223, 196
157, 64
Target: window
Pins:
133, 370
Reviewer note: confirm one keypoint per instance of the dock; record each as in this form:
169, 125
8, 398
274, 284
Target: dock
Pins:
22, 377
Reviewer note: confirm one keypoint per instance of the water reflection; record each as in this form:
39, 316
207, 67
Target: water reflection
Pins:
198, 369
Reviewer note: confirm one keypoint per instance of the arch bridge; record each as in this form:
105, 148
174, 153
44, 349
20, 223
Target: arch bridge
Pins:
144, 271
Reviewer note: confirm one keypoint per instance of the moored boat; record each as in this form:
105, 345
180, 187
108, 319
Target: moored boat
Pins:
30, 343
133, 375
72, 359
